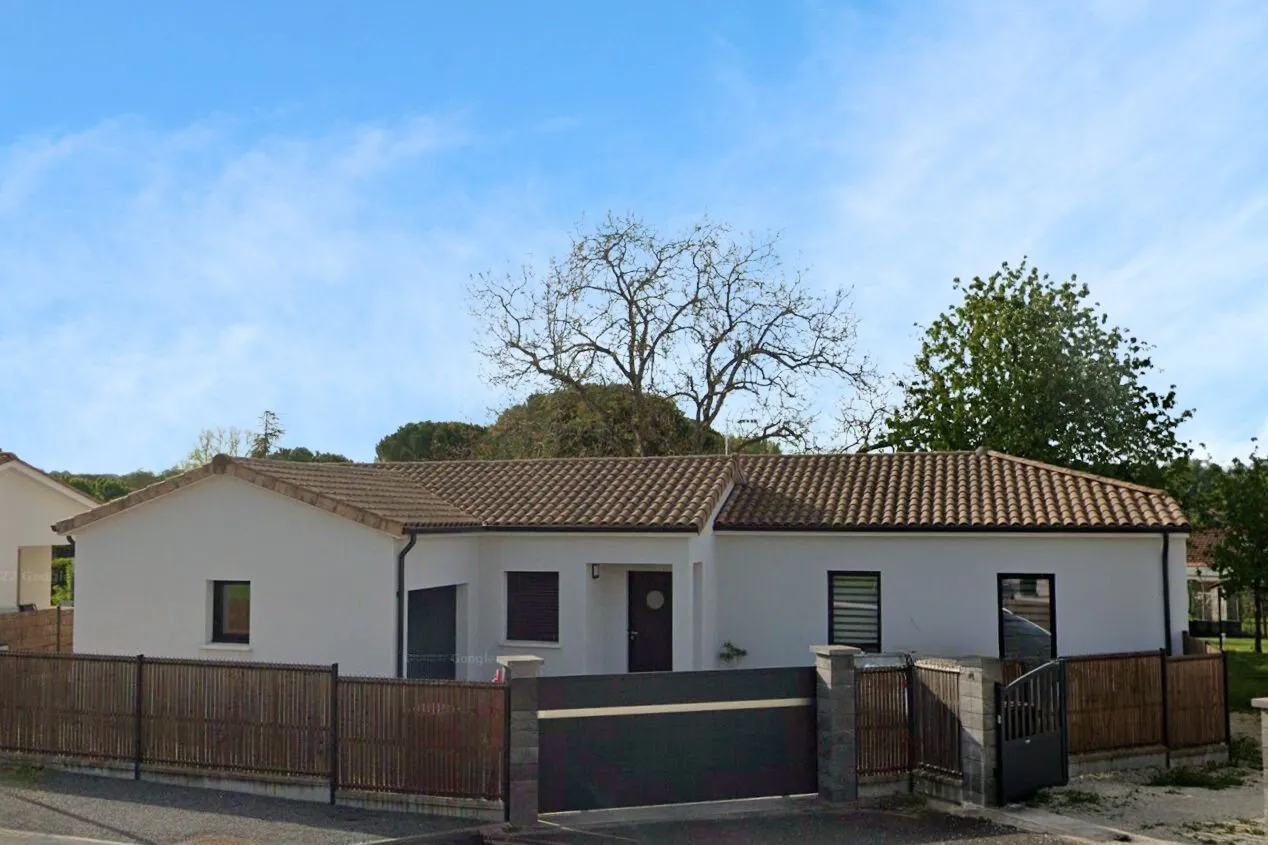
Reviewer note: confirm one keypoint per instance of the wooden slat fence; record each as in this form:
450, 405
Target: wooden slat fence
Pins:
1114, 701
236, 717
436, 738
884, 739
1198, 700
937, 718
68, 705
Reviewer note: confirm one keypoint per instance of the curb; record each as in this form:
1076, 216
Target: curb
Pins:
1034, 820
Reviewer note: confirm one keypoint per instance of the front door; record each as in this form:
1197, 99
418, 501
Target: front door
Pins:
433, 633
651, 622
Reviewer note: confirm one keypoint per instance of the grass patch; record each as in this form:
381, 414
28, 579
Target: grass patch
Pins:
20, 774
1210, 777
1064, 798
1244, 751
1247, 671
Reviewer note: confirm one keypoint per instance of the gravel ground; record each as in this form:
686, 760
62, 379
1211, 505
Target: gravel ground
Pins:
813, 827
1123, 800
54, 802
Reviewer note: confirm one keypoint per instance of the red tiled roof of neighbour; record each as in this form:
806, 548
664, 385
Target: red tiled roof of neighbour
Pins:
1201, 548
934, 491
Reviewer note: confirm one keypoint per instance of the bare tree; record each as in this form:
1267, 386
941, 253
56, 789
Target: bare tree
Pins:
216, 441
702, 317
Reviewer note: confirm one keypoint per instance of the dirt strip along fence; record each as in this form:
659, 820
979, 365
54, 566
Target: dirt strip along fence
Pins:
908, 719
434, 738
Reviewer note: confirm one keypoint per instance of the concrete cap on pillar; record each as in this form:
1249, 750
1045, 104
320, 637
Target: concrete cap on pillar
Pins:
833, 650
521, 665
1259, 703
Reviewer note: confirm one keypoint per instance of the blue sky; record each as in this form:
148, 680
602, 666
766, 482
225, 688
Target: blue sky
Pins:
211, 209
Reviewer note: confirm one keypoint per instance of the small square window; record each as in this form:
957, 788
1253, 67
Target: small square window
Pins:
231, 611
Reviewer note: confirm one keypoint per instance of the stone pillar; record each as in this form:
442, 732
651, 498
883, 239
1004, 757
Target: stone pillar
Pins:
979, 733
1261, 704
835, 710
521, 798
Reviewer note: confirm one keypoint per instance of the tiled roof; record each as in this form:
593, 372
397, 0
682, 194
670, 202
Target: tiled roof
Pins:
909, 491
671, 493
935, 491
1201, 549
10, 458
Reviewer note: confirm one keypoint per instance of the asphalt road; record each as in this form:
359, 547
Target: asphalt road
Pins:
126, 811
805, 828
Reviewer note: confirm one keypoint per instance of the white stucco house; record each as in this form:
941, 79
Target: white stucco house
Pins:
30, 502
616, 565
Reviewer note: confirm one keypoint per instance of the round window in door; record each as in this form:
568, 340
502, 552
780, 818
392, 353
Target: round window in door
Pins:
655, 599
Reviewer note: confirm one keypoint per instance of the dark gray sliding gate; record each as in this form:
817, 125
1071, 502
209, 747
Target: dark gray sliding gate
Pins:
1032, 742
674, 737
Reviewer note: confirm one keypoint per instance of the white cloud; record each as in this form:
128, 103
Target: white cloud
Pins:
1119, 142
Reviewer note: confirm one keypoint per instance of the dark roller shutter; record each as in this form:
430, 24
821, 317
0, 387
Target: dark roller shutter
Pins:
855, 609
532, 606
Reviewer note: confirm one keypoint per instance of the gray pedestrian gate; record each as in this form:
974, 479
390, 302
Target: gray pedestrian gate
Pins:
1032, 743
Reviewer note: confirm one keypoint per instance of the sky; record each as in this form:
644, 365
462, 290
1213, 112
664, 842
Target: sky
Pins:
210, 209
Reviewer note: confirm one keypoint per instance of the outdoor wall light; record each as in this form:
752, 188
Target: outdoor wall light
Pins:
594, 570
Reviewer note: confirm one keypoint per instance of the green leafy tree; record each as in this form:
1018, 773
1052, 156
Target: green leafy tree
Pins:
561, 424
1026, 366
216, 441
266, 438
1241, 556
1198, 485
302, 454
431, 441
703, 316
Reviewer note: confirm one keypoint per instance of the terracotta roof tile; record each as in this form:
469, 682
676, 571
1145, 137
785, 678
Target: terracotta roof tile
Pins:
935, 491
640, 494
1201, 549
920, 491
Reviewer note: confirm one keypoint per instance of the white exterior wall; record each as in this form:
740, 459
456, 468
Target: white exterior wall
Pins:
29, 505
592, 612
322, 587
938, 592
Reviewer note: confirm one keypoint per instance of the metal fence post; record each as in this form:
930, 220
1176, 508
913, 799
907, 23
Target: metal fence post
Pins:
1228, 705
138, 750
1166, 706
912, 726
334, 731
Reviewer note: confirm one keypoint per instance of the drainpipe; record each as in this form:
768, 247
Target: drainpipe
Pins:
1166, 588
400, 605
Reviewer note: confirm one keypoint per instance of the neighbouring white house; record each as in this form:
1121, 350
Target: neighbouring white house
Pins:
628, 564
30, 502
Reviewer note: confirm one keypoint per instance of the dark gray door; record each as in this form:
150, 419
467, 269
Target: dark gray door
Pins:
651, 621
433, 633
1033, 751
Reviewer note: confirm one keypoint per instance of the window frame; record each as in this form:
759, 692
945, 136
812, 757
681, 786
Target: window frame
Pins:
880, 636
510, 633
218, 634
1000, 578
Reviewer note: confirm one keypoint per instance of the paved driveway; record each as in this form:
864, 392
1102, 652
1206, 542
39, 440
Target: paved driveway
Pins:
50, 802
812, 827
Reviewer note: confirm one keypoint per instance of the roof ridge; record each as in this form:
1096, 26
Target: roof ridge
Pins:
568, 459
1078, 473
377, 467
